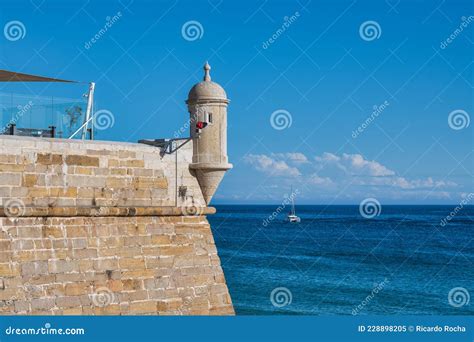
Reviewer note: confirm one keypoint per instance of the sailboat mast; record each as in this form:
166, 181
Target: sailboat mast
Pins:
292, 202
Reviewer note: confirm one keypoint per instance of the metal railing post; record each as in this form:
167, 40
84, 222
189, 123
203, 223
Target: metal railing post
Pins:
53, 131
12, 129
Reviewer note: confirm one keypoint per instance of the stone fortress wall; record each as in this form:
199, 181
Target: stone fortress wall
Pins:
104, 228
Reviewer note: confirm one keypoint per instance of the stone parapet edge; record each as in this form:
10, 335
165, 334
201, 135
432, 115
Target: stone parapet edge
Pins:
105, 211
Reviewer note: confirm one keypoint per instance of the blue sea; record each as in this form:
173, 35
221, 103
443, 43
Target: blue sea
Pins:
336, 262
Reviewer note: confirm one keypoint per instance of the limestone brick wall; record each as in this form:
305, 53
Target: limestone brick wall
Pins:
98, 228
110, 265
60, 172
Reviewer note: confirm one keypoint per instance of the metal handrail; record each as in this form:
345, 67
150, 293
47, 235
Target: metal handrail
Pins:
83, 125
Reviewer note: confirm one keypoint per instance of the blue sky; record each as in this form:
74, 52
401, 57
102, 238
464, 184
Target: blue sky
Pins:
322, 71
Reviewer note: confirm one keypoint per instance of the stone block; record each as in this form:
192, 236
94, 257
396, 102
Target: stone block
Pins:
49, 159
82, 160
29, 180
63, 266
22, 306
68, 302
132, 163
11, 179
76, 289
148, 306
29, 269
169, 304
132, 263
42, 303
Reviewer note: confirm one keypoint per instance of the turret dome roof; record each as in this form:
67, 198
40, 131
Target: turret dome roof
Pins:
207, 89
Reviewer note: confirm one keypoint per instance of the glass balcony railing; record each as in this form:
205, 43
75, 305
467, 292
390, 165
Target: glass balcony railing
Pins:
41, 116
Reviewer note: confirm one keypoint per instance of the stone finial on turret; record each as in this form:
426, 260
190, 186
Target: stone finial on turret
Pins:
207, 75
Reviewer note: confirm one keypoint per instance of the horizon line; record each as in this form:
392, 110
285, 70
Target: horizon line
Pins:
349, 204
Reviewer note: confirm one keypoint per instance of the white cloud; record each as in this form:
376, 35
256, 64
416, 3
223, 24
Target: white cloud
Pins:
430, 183
403, 183
317, 180
292, 157
346, 175
271, 166
327, 157
353, 164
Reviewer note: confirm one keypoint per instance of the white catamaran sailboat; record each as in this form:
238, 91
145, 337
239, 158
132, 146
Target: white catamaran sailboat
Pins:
292, 215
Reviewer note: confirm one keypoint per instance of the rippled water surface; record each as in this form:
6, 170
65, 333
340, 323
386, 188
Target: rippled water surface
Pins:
337, 262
